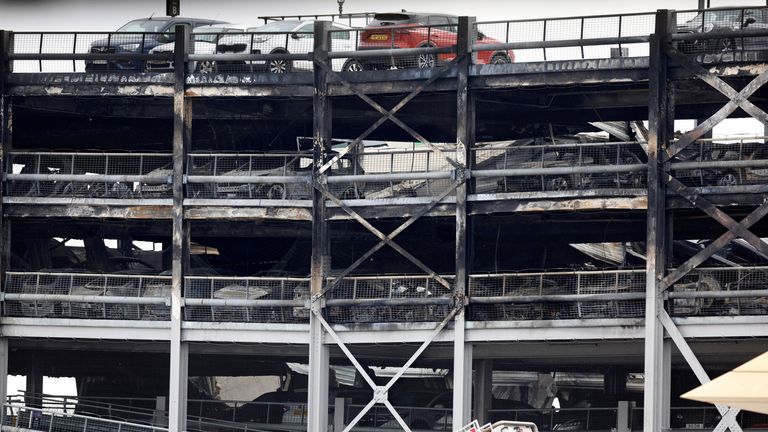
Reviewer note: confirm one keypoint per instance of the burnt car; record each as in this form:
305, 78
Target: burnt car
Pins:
725, 22
722, 152
404, 29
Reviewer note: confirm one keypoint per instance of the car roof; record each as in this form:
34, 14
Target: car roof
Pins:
418, 14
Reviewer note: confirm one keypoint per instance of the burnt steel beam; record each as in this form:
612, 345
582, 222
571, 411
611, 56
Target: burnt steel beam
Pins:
182, 132
465, 142
319, 353
660, 127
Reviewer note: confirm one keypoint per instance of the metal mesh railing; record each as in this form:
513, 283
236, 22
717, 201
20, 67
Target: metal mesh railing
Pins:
589, 37
395, 46
243, 299
417, 418
23, 417
87, 296
554, 419
362, 299
721, 291
250, 52
89, 175
525, 167
722, 34
722, 162
75, 52
391, 173
272, 176
557, 295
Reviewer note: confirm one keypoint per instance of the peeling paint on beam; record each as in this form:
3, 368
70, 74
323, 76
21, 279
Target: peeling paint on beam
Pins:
247, 213
88, 211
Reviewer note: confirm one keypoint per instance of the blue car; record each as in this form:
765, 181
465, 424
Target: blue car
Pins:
138, 37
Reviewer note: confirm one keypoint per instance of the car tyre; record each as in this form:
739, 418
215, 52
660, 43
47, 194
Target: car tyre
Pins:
279, 67
353, 65
729, 178
426, 61
205, 67
500, 59
276, 192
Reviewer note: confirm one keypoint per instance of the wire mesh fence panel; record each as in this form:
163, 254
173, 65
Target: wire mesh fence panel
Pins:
399, 163
578, 30
23, 417
116, 47
388, 299
98, 175
438, 43
86, 296
279, 41
212, 168
717, 283
533, 290
417, 418
722, 35
539, 159
715, 157
222, 289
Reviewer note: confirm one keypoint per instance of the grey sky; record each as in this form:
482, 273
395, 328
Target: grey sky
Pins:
104, 15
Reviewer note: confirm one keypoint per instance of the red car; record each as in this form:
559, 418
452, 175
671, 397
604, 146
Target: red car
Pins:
416, 30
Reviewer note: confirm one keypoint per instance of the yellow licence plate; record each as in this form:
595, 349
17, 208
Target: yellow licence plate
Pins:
380, 37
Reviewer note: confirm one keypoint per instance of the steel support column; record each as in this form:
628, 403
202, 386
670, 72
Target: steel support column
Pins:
5, 247
318, 351
462, 351
182, 125
483, 389
660, 125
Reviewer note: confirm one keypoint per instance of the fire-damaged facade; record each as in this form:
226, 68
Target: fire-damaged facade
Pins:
436, 239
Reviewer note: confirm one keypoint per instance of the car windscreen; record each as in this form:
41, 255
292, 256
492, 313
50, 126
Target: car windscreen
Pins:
144, 26
275, 27
389, 19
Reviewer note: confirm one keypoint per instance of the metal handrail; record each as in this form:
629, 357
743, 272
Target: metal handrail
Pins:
61, 414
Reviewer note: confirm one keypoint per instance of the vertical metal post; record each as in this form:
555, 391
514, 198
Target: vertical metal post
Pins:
465, 117
3, 368
182, 123
34, 388
659, 135
6, 127
483, 390
318, 351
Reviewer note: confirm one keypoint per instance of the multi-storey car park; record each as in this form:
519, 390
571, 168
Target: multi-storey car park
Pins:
163, 228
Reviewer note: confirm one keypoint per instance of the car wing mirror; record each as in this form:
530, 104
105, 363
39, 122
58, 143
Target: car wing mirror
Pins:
480, 35
297, 36
749, 20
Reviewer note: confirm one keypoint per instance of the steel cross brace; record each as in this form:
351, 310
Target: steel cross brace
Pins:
728, 415
380, 392
738, 99
387, 239
386, 114
735, 229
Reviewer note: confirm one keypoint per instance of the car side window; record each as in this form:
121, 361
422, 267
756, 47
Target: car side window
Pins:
438, 20
343, 35
307, 28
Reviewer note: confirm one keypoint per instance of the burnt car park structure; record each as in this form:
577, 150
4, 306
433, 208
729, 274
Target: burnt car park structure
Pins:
450, 253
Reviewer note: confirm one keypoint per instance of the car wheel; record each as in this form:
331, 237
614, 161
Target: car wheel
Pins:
500, 59
729, 178
276, 192
425, 61
556, 184
205, 67
353, 65
279, 66
352, 193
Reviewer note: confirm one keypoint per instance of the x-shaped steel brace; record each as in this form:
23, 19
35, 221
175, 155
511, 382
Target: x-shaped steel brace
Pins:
735, 229
380, 392
728, 415
386, 114
383, 238
738, 99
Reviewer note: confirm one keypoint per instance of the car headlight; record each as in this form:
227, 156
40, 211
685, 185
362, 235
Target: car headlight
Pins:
708, 27
129, 47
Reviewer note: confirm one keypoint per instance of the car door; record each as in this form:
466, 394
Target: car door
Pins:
441, 36
302, 41
342, 39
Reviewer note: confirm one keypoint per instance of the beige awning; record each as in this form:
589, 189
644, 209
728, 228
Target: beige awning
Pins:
745, 387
